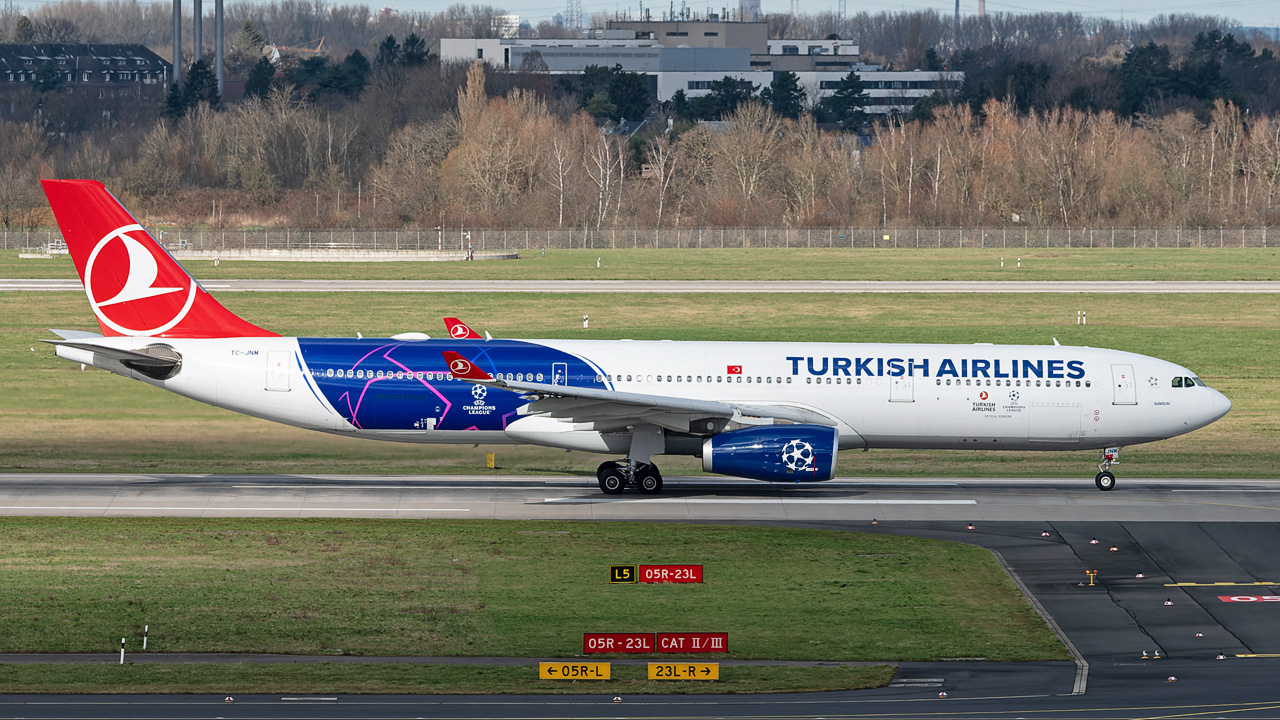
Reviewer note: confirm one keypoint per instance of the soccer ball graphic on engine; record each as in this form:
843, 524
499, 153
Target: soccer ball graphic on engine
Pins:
797, 455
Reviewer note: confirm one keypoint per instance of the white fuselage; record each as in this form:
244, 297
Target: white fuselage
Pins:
1007, 397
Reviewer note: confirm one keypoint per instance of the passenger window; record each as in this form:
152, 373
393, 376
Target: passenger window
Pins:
948, 381
788, 381
1037, 383
668, 378
988, 383
1088, 383
768, 380
540, 377
748, 378
739, 378
628, 378
808, 380
939, 381
679, 378
649, 378
719, 378
1177, 382
968, 381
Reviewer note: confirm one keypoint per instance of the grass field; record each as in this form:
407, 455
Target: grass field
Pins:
58, 418
347, 679
494, 588
760, 264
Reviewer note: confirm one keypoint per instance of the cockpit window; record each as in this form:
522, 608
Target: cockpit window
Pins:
1177, 382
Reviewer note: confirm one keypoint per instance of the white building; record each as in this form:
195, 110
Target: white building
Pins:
674, 62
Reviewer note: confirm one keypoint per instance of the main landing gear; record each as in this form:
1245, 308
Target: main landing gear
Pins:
615, 477
1104, 479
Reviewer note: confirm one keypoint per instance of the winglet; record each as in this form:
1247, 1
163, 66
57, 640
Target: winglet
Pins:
463, 369
459, 330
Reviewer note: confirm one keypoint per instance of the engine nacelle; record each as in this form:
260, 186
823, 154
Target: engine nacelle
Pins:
778, 453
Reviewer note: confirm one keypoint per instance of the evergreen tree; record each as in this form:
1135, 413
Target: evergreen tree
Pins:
24, 31
175, 102
200, 86
388, 51
784, 95
258, 84
630, 92
414, 51
725, 96
248, 40
845, 105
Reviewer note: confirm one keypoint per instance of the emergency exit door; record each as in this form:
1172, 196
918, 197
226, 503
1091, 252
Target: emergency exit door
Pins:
559, 373
902, 389
278, 371
1126, 392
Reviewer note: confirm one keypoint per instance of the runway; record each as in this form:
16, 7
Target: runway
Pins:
694, 286
684, 499
1183, 568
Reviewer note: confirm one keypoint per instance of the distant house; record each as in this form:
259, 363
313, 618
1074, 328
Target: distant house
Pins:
91, 76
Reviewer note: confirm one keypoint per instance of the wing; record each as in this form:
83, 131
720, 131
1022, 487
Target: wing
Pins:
609, 410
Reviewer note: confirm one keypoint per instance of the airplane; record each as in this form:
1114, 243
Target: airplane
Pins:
772, 411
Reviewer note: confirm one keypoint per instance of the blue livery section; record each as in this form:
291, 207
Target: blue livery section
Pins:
388, 384
780, 453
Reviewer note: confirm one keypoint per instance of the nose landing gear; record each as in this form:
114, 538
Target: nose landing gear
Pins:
1104, 479
616, 477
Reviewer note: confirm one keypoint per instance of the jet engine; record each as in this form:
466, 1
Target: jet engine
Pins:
778, 453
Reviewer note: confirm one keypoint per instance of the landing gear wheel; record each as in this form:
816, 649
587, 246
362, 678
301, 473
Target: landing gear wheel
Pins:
649, 480
606, 467
1105, 480
613, 481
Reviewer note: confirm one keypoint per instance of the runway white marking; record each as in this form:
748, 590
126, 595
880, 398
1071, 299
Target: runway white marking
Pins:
762, 501
227, 507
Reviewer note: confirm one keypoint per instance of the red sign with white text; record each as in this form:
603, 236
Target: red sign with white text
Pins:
617, 642
1249, 598
670, 573
693, 642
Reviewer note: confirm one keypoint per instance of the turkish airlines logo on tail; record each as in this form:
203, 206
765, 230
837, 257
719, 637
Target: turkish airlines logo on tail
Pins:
460, 331
460, 368
129, 290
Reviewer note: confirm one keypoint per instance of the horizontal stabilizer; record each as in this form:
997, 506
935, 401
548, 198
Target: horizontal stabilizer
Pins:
126, 356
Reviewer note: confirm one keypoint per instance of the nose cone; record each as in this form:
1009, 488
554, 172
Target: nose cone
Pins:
1219, 405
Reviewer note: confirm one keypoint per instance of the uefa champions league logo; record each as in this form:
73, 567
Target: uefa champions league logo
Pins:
797, 455
1013, 397
478, 392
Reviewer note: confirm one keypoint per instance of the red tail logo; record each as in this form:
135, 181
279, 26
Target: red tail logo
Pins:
134, 286
132, 304
459, 330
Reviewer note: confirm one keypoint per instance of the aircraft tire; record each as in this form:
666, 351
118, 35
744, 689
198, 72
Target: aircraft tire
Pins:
606, 467
613, 482
1105, 481
649, 481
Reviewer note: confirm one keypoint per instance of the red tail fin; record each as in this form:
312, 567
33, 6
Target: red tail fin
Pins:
463, 369
134, 286
459, 330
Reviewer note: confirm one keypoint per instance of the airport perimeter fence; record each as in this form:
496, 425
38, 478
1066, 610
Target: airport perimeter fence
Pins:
455, 239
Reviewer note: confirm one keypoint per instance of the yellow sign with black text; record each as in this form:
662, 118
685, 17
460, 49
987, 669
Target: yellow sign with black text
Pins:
684, 671
573, 671
622, 574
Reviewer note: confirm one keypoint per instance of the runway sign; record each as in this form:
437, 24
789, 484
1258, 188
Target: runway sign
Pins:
671, 573
617, 642
622, 574
573, 671
693, 642
684, 671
